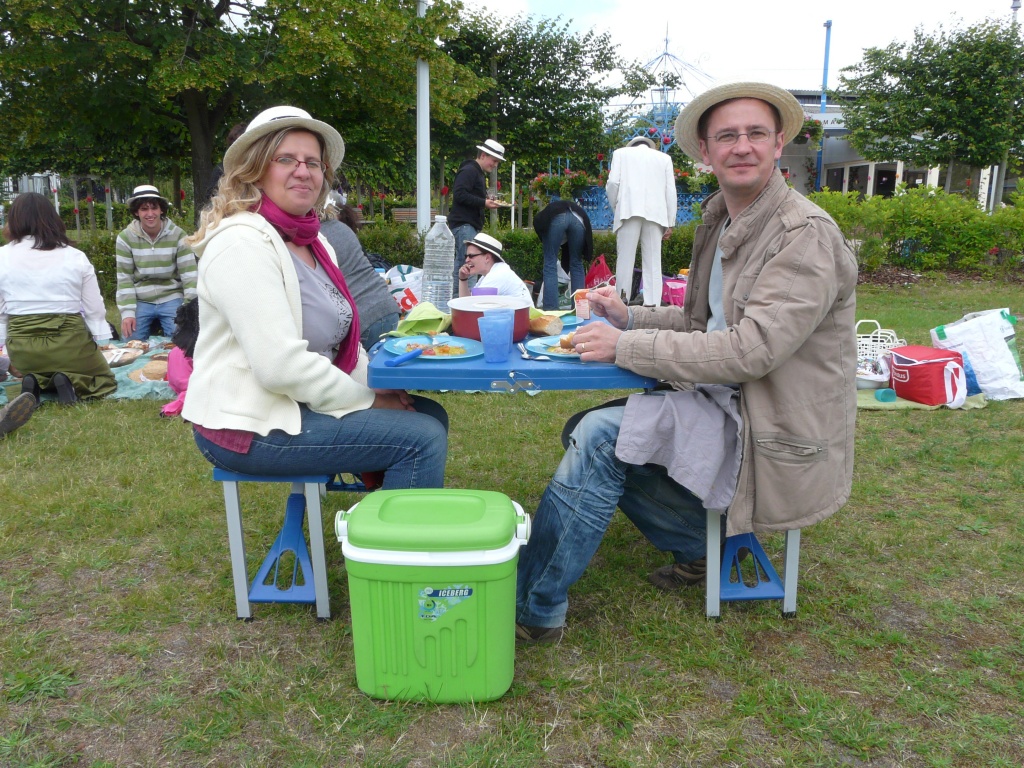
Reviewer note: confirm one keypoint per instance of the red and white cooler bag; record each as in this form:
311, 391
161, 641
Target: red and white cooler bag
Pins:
928, 375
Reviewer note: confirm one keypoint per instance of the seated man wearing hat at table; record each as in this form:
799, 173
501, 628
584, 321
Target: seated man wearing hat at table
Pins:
762, 359
483, 259
156, 269
469, 197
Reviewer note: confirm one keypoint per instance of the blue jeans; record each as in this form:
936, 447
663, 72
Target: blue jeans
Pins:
411, 447
577, 507
564, 225
463, 234
147, 315
371, 334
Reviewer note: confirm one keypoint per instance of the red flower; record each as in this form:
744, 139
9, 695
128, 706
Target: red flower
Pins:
360, 206
666, 140
107, 190
444, 191
600, 156
75, 211
652, 130
968, 182
182, 193
684, 174
381, 195
88, 199
533, 199
499, 184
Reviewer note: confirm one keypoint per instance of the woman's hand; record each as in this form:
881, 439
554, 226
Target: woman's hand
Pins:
393, 399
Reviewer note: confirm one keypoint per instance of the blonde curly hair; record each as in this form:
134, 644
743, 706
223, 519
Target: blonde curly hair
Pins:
237, 190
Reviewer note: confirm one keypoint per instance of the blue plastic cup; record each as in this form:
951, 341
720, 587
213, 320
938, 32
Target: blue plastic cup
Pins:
885, 395
496, 336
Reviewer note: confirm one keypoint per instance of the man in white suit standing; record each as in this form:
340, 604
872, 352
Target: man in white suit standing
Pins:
642, 191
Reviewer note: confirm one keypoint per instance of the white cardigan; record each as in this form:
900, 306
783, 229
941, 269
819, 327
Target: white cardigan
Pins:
252, 366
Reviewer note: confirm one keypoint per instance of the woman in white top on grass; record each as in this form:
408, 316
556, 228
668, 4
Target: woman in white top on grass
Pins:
51, 311
484, 259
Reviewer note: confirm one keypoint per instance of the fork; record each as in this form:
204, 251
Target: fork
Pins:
527, 356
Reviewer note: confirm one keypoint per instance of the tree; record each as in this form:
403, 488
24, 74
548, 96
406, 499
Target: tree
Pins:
954, 96
88, 79
546, 91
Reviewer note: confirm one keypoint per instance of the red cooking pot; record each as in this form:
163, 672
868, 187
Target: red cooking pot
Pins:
466, 310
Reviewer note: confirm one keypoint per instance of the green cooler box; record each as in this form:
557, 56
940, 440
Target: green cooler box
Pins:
432, 586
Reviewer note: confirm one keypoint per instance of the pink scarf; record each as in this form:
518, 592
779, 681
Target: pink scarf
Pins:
303, 230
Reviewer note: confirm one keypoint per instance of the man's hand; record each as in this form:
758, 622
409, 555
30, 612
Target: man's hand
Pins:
127, 327
489, 203
596, 342
668, 234
605, 302
393, 399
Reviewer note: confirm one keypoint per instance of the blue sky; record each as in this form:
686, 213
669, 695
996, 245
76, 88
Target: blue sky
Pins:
749, 39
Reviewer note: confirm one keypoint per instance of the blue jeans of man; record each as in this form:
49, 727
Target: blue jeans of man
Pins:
577, 507
463, 234
148, 315
565, 227
411, 447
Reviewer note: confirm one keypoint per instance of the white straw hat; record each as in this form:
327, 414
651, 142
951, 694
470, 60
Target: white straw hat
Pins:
487, 243
276, 119
492, 148
638, 140
143, 191
687, 122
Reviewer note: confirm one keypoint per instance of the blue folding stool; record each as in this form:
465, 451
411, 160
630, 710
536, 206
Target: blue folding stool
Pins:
753, 578
307, 582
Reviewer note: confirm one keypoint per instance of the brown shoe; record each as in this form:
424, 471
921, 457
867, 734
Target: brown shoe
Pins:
17, 412
533, 635
680, 575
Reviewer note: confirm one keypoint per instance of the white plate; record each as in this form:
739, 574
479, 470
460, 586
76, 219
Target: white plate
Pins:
542, 346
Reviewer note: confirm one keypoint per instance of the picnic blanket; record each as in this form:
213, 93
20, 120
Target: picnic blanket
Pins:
127, 389
866, 400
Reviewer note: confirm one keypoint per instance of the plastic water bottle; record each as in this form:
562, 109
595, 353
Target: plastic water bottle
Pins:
438, 264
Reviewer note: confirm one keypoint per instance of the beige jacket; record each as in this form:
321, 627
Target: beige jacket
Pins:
789, 288
252, 367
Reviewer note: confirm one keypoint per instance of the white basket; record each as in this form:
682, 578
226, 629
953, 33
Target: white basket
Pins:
877, 342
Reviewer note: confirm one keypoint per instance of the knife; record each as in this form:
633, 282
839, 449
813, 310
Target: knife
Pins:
403, 358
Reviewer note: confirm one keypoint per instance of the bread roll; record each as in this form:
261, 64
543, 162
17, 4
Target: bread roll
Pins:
546, 325
566, 342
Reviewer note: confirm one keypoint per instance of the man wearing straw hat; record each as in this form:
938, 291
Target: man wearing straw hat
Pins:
156, 269
470, 200
759, 422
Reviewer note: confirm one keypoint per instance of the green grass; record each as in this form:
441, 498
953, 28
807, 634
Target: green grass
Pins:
119, 646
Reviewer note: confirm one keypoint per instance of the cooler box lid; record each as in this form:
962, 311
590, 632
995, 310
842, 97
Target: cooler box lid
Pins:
432, 520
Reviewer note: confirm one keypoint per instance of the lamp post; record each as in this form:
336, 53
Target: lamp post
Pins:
824, 87
997, 197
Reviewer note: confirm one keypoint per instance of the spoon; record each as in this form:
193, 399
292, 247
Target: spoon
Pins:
527, 356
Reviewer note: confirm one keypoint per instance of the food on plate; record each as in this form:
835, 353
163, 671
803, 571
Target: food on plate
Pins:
566, 342
546, 325
437, 350
136, 344
560, 350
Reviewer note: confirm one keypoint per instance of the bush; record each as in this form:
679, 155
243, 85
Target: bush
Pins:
398, 243
99, 247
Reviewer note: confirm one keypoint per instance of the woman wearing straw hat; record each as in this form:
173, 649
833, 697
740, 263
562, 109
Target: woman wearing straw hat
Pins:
484, 259
51, 311
279, 379
156, 270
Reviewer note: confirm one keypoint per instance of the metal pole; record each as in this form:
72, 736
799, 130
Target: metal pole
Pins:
824, 100
422, 135
997, 197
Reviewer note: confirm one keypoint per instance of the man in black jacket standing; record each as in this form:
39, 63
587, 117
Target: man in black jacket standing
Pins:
469, 200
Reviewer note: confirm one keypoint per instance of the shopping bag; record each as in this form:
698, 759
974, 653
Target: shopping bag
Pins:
929, 375
598, 272
673, 291
989, 347
405, 283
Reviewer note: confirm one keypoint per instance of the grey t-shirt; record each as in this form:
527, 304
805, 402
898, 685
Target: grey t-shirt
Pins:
326, 313
716, 321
